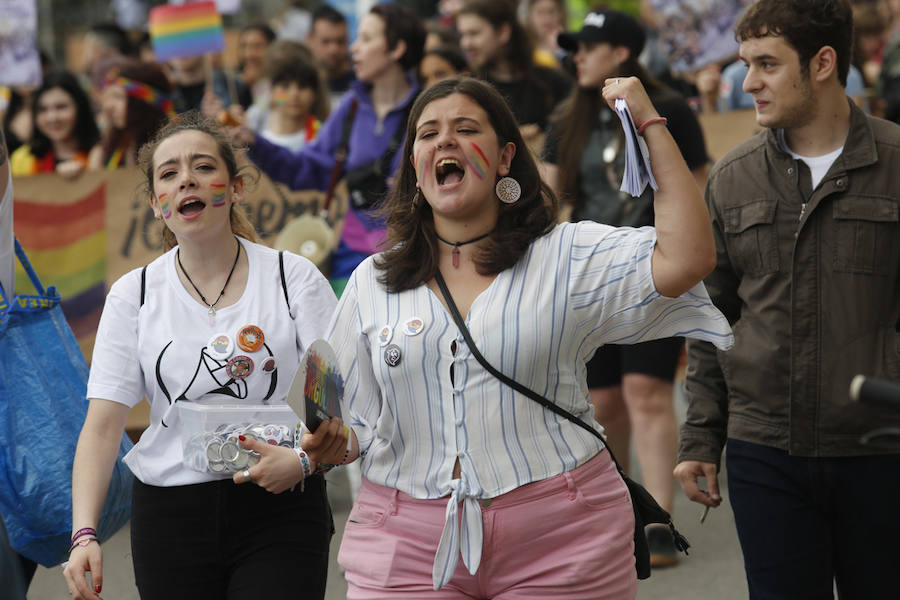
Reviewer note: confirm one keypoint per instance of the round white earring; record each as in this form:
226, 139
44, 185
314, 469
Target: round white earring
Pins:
508, 190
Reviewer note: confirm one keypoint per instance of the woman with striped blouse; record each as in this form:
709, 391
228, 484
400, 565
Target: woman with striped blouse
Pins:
508, 499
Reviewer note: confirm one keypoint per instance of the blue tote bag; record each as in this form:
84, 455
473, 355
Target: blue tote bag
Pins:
43, 403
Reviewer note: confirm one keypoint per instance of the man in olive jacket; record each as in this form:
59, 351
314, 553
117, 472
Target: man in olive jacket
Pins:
805, 216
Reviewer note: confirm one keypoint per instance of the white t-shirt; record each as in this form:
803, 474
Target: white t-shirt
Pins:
539, 322
291, 141
7, 254
159, 349
818, 165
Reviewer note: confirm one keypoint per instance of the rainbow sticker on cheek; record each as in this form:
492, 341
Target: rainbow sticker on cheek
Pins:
164, 206
478, 161
218, 198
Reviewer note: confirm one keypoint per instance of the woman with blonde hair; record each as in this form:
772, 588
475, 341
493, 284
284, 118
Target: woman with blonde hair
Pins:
215, 325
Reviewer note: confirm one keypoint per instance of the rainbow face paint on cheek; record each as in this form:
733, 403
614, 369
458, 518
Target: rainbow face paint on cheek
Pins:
164, 206
421, 168
478, 161
279, 98
218, 198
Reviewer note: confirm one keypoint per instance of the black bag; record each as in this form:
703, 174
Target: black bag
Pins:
646, 509
367, 184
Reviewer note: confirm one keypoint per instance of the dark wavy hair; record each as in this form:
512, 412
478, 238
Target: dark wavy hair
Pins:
400, 23
806, 25
412, 257
85, 129
142, 119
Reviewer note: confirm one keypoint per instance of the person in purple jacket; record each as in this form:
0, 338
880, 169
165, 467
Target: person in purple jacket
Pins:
385, 55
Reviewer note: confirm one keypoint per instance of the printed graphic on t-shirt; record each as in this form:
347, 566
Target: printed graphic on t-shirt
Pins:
216, 376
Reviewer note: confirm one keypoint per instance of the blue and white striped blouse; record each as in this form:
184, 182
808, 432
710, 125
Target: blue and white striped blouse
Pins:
578, 287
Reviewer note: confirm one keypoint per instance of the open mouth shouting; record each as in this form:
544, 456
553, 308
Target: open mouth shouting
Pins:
449, 171
191, 207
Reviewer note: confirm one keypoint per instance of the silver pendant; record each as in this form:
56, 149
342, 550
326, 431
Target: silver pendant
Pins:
212, 316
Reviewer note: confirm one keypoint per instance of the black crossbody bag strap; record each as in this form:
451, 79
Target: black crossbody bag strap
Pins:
340, 156
394, 144
646, 508
552, 407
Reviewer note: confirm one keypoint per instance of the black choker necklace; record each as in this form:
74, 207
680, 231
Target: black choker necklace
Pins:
212, 307
456, 246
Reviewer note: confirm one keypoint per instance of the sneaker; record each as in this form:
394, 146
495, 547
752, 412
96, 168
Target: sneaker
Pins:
662, 546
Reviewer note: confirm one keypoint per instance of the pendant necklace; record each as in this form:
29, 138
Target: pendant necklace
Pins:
212, 307
456, 245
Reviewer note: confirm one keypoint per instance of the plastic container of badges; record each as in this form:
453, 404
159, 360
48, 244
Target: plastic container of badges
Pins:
209, 434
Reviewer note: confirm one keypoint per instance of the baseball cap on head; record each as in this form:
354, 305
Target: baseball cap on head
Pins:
612, 26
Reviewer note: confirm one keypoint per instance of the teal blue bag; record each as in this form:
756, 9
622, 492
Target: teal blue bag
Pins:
43, 403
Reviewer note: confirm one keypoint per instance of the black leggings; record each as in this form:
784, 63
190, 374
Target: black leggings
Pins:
221, 540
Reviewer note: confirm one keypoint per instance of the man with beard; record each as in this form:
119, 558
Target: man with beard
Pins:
805, 216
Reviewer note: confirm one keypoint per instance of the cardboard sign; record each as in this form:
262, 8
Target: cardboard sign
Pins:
83, 234
696, 33
20, 63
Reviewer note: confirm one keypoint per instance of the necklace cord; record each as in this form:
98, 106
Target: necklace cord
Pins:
199, 293
458, 244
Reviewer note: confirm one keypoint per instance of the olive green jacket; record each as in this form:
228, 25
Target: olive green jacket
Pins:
810, 282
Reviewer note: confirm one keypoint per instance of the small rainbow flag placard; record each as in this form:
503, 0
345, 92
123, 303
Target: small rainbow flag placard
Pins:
318, 387
187, 30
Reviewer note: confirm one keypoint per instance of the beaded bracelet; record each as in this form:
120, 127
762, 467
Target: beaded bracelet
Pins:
304, 462
650, 122
83, 532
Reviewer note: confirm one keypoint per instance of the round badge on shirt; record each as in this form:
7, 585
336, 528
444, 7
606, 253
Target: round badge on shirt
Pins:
413, 326
385, 335
250, 338
392, 355
220, 346
239, 367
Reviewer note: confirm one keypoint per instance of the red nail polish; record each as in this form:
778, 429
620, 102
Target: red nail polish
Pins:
97, 588
242, 438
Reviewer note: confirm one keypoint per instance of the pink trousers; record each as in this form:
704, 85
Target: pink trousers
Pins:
570, 536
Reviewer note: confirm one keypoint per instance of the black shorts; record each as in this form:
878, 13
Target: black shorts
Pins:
658, 358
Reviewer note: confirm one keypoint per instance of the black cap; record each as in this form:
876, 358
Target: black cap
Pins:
612, 26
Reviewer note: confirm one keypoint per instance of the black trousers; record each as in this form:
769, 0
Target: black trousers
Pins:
806, 524
221, 540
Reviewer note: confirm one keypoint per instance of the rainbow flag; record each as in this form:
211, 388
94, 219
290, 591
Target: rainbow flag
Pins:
66, 244
187, 30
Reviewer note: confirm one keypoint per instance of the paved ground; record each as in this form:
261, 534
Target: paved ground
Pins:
712, 571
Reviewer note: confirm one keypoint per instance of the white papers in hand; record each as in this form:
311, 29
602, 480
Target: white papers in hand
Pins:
637, 156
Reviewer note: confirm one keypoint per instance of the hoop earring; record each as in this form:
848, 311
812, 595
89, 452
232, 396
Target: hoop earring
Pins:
508, 190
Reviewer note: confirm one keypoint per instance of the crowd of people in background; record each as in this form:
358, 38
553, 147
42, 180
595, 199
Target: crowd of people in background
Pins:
311, 107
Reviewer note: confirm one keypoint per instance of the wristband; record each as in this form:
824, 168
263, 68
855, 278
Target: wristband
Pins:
83, 532
304, 462
650, 122
84, 541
